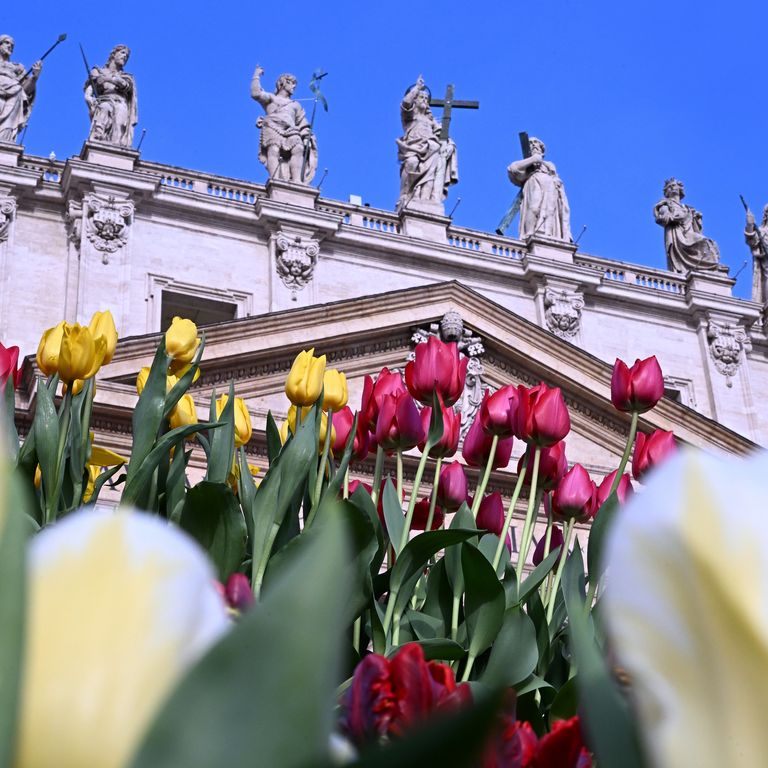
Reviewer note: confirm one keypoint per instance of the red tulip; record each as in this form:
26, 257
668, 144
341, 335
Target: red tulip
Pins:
650, 450
563, 747
541, 416
490, 516
387, 383
556, 540
238, 592
342, 424
552, 466
514, 747
452, 486
355, 484
449, 442
437, 367
477, 447
638, 388
421, 515
9, 368
497, 409
623, 489
574, 496
398, 425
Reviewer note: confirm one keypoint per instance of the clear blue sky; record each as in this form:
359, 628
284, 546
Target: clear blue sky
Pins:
623, 94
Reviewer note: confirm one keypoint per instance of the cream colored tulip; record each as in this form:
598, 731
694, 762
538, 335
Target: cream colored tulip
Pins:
120, 605
686, 601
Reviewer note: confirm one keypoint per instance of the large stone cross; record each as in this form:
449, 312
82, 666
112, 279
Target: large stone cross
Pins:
448, 103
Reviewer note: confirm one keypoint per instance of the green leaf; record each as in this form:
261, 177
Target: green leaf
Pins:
537, 575
441, 649
333, 489
10, 437
246, 488
175, 483
438, 602
566, 703
488, 544
483, 600
393, 514
264, 695
46, 429
185, 382
435, 423
597, 534
514, 654
101, 481
223, 442
274, 443
533, 683
212, 516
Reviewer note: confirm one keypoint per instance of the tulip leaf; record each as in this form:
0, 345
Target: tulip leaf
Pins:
102, 480
46, 429
362, 500
333, 488
274, 443
246, 490
185, 382
488, 544
435, 423
484, 600
264, 695
175, 482
438, 602
393, 514
10, 437
212, 516
537, 575
14, 529
597, 534
566, 702
514, 654
223, 442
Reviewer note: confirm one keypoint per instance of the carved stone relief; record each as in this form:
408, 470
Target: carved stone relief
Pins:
107, 223
295, 259
7, 212
562, 312
74, 222
727, 342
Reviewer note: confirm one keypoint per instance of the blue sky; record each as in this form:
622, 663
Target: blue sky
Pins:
623, 94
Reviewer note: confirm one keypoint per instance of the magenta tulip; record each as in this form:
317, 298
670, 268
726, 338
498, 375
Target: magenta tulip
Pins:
556, 540
342, 425
552, 466
398, 425
497, 409
623, 489
9, 368
638, 388
449, 442
436, 367
541, 417
651, 450
452, 488
575, 496
477, 447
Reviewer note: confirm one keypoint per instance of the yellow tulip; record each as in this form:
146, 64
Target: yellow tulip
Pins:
243, 427
184, 414
686, 591
49, 348
178, 368
103, 457
38, 477
77, 387
234, 476
93, 474
145, 609
335, 394
103, 324
253, 470
284, 429
81, 355
290, 423
141, 381
305, 379
181, 340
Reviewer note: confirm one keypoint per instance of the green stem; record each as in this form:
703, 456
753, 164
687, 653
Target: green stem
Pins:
627, 451
486, 476
529, 539
510, 512
346, 483
433, 498
52, 501
323, 463
414, 497
548, 538
523, 553
377, 474
356, 635
468, 668
455, 611
560, 567
400, 476
390, 611
258, 576
396, 632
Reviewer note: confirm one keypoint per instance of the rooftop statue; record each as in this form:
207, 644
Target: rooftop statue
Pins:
687, 248
17, 91
428, 164
757, 240
287, 146
110, 94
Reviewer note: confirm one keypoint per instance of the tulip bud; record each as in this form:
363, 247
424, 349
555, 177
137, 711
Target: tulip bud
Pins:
651, 450
436, 367
9, 369
238, 592
541, 416
623, 490
452, 486
552, 465
477, 447
243, 427
638, 388
103, 324
575, 496
421, 515
556, 540
497, 409
399, 423
49, 348
334, 390
449, 442
305, 379
490, 515
184, 413
181, 340
38, 481
80, 355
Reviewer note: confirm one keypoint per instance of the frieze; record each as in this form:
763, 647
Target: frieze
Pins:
7, 213
107, 223
728, 343
295, 260
562, 312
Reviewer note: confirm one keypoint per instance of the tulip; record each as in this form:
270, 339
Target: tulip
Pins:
449, 442
574, 496
490, 514
103, 324
541, 416
514, 746
49, 348
436, 367
398, 426
452, 486
305, 379
90, 486
178, 368
477, 447
184, 413
334, 390
145, 612
497, 409
342, 424
638, 388
387, 383
623, 489
238, 592
181, 340
290, 424
143, 375
243, 427
651, 450
555, 540
685, 608
421, 516
355, 484
80, 354
552, 466
9, 369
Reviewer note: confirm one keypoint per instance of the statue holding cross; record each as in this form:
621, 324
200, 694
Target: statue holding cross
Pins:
427, 155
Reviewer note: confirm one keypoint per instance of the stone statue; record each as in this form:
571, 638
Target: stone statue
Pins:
687, 248
17, 93
428, 164
544, 208
110, 94
757, 240
287, 146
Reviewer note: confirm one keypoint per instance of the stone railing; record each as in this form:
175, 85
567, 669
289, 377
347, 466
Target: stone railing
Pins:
482, 242
374, 219
635, 275
49, 170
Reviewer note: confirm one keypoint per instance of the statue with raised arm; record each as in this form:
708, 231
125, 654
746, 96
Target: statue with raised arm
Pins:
544, 208
286, 136
757, 240
110, 93
428, 164
687, 248
17, 92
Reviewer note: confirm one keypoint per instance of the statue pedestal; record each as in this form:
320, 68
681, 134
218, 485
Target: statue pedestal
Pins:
424, 219
110, 155
10, 154
553, 250
291, 193
711, 282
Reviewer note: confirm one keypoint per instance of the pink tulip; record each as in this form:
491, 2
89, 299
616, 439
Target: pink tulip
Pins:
398, 426
477, 447
575, 496
638, 388
497, 409
541, 416
452, 488
651, 450
437, 367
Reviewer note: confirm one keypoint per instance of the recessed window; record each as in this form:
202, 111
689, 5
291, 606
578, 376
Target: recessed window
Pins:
200, 311
673, 394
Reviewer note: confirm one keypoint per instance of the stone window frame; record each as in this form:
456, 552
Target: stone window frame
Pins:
684, 387
156, 284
